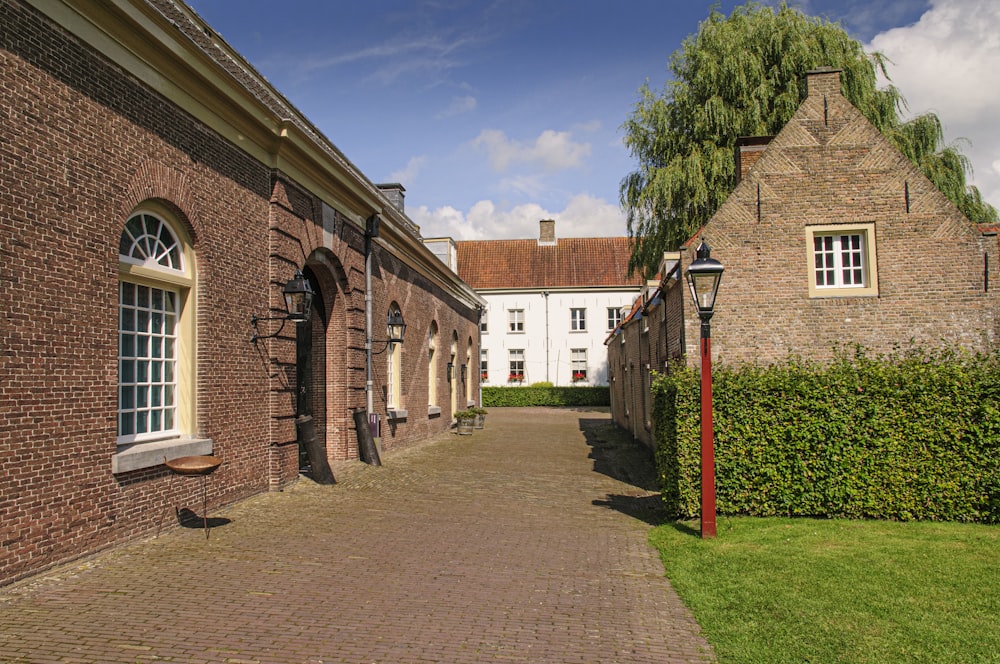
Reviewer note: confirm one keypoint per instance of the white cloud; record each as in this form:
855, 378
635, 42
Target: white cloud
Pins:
947, 63
458, 106
583, 216
408, 174
552, 150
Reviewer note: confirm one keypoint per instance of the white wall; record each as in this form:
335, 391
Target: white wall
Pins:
554, 337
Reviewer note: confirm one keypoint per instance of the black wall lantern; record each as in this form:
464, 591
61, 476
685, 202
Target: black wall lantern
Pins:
298, 294
451, 371
395, 328
465, 372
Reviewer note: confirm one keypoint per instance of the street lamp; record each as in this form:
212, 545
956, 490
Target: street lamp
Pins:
703, 277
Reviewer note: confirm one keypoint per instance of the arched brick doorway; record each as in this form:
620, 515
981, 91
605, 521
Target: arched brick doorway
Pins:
324, 367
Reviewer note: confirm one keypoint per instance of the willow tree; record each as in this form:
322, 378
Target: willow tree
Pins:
744, 75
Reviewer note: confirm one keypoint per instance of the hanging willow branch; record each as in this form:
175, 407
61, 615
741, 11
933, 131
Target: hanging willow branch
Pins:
744, 75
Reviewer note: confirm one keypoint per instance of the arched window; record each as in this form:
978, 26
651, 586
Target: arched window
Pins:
432, 388
394, 369
467, 371
155, 330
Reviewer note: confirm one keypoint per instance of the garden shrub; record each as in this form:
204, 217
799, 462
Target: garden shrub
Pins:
496, 397
911, 435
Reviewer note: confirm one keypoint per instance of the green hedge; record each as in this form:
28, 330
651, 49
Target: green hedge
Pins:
913, 435
498, 397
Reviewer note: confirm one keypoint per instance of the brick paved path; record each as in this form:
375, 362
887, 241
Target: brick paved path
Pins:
520, 543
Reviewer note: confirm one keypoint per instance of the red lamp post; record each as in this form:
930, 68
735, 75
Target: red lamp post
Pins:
703, 277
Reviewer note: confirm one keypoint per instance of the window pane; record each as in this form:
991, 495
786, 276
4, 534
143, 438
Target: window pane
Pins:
155, 420
127, 319
126, 372
143, 296
126, 424
128, 293
126, 345
141, 422
126, 398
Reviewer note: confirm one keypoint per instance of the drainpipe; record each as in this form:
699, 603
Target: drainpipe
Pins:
479, 362
545, 294
371, 232
366, 443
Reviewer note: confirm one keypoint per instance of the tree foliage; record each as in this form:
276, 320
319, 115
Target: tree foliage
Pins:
744, 75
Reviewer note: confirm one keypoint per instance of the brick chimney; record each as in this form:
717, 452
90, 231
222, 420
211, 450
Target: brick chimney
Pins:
547, 232
748, 151
823, 81
395, 193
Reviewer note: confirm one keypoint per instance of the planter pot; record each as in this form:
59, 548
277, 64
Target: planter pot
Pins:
480, 422
465, 427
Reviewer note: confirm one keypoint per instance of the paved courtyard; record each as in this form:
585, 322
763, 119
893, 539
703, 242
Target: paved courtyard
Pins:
525, 542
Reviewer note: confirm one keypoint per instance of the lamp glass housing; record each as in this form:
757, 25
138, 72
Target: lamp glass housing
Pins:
395, 327
703, 277
298, 297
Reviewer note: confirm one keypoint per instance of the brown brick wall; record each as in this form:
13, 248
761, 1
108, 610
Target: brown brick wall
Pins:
828, 166
831, 166
81, 145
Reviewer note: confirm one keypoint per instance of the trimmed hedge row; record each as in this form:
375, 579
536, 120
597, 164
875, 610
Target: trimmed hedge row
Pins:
913, 435
498, 397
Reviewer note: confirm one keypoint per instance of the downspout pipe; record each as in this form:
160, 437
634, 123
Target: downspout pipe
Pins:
366, 443
545, 294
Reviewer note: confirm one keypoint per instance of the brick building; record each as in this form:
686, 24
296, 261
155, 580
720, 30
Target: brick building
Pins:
549, 303
156, 193
831, 236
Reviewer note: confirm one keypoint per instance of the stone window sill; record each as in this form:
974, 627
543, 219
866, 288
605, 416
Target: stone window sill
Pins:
433, 411
396, 414
137, 456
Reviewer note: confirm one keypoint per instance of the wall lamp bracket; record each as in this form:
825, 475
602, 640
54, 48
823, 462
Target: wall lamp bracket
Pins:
298, 294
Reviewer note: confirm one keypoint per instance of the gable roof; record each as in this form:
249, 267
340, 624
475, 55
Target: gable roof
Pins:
571, 262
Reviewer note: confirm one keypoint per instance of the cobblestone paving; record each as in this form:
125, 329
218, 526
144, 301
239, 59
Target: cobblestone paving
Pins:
525, 542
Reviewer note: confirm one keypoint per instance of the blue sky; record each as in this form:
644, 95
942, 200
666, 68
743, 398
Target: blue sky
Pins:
496, 114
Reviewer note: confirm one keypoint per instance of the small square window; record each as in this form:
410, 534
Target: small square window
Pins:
578, 320
842, 260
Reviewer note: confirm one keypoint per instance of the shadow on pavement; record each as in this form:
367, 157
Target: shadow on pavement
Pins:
618, 456
189, 519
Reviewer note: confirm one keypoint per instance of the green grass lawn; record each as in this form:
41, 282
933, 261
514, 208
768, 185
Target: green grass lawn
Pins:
803, 590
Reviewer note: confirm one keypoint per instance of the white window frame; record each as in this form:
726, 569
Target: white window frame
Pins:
614, 317
155, 363
515, 363
578, 363
484, 365
833, 260
393, 375
515, 321
432, 386
578, 319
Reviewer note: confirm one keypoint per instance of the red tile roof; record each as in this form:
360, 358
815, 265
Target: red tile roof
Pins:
571, 262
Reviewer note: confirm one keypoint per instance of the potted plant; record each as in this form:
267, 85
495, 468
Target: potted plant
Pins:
480, 417
466, 419
515, 378
579, 376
